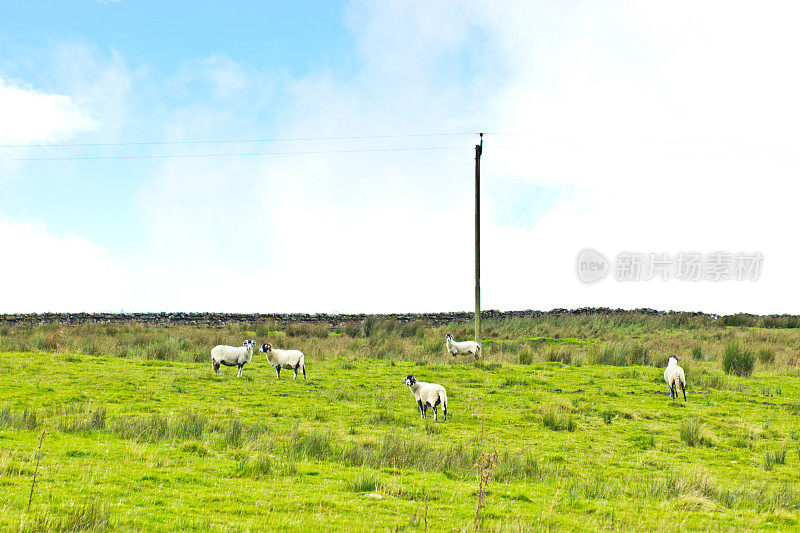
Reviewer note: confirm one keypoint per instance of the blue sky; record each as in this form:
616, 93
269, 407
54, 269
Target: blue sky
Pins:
619, 127
293, 36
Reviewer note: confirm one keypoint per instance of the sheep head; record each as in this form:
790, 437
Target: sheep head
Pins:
410, 380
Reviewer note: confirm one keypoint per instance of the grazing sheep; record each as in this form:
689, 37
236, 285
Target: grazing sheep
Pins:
285, 359
232, 355
454, 347
427, 394
673, 375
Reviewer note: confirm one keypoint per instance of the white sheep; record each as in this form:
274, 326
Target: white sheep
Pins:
673, 375
232, 355
427, 394
285, 359
455, 348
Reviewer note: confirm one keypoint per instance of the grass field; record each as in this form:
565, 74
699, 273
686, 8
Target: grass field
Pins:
139, 434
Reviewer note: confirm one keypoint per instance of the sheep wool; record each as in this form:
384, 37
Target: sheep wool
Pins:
278, 358
465, 347
675, 377
232, 356
427, 394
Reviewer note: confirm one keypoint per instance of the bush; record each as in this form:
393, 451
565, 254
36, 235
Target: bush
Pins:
738, 361
740, 320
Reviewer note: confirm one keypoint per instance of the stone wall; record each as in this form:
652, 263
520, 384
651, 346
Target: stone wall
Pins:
221, 319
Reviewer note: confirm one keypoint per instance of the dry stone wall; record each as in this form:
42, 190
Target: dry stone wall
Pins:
221, 319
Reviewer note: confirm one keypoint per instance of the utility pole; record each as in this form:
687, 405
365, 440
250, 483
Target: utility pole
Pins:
478, 152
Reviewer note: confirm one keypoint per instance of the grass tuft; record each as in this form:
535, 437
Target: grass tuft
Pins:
738, 361
691, 433
557, 419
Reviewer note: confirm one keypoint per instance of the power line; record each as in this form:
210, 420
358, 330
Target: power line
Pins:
240, 141
572, 138
240, 154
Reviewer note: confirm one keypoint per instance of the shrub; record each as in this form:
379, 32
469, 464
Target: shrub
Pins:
740, 319
738, 361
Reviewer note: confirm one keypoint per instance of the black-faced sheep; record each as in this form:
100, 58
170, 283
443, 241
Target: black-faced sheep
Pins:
285, 359
674, 377
427, 394
467, 347
232, 356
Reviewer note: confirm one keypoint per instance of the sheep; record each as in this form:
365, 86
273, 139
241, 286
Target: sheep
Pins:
427, 394
454, 347
673, 375
232, 355
285, 359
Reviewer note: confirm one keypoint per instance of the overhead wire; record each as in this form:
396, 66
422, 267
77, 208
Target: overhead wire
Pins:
235, 154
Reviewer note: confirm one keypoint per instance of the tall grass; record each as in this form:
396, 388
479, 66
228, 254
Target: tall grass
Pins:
691, 433
617, 339
557, 419
92, 516
737, 360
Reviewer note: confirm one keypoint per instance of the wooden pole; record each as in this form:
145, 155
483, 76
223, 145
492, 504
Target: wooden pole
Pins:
478, 152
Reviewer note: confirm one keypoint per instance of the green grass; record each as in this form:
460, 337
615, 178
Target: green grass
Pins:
137, 442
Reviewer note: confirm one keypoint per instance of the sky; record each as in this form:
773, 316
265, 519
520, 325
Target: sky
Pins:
318, 157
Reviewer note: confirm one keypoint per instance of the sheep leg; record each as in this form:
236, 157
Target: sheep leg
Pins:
304, 371
425, 412
444, 409
421, 412
278, 370
683, 389
295, 371
435, 418
240, 371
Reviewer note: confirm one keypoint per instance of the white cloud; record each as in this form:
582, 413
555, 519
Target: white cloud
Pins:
670, 131
599, 91
31, 116
44, 272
